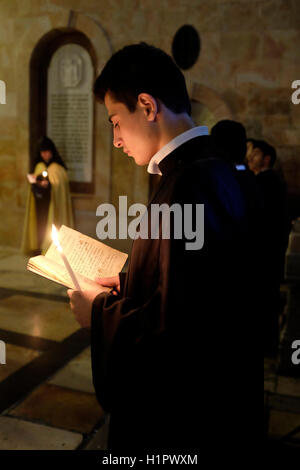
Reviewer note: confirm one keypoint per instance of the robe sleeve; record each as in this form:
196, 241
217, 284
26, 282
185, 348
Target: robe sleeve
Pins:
122, 277
118, 342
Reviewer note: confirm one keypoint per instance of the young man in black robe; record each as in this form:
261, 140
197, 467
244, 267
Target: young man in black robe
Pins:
170, 343
273, 190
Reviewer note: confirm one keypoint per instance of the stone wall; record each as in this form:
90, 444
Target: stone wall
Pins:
248, 60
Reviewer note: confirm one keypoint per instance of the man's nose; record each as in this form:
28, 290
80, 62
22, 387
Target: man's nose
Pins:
118, 142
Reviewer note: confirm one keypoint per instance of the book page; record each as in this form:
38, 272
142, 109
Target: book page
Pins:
88, 257
55, 272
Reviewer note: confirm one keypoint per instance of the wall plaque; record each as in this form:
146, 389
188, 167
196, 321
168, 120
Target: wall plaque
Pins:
70, 109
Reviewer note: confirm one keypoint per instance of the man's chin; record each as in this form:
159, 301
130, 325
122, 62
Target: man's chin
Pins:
139, 161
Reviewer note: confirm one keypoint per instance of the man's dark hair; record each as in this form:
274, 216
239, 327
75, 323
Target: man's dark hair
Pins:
230, 138
267, 150
141, 68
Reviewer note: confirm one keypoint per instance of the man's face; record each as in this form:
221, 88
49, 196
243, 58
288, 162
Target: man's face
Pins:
256, 160
132, 131
249, 150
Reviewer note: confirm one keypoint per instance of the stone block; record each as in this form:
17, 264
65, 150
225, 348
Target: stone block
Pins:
296, 14
240, 46
16, 357
170, 21
11, 230
265, 75
263, 101
277, 14
204, 16
77, 374
282, 422
240, 16
210, 47
289, 386
237, 102
253, 126
281, 45
7, 32
61, 407
17, 434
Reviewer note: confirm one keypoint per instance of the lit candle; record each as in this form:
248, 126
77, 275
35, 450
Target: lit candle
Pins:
64, 258
45, 174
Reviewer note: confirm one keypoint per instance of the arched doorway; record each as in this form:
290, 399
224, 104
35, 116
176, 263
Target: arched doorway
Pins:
53, 47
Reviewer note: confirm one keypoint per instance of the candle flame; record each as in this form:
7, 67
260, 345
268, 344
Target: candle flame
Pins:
45, 174
55, 238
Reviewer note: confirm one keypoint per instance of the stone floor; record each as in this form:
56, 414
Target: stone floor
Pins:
47, 399
281, 405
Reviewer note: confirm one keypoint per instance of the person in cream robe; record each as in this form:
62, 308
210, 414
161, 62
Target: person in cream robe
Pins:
48, 200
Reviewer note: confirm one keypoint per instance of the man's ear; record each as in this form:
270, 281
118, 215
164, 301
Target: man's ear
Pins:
149, 105
267, 160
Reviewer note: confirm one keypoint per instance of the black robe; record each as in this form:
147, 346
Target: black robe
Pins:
277, 228
168, 349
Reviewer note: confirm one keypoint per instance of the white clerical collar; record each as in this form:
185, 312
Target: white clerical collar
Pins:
180, 139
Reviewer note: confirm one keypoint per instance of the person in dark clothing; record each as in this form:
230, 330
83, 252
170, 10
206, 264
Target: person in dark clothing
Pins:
249, 143
157, 345
230, 144
273, 190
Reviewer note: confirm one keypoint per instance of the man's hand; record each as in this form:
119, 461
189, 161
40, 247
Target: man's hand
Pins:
81, 304
110, 282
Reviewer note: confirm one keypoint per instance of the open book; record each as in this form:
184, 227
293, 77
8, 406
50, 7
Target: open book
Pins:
88, 258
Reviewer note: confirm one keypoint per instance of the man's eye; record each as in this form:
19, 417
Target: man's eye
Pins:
116, 125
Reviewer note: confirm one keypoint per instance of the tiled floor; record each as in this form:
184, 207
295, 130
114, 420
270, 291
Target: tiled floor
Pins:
16, 434
60, 407
16, 357
47, 399
49, 319
282, 405
76, 374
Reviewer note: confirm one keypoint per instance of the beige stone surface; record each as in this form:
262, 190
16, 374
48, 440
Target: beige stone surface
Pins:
288, 386
277, 14
77, 374
61, 407
240, 16
16, 434
282, 422
240, 46
48, 319
16, 357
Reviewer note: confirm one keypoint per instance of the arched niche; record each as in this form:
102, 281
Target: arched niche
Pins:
207, 106
47, 49
202, 116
